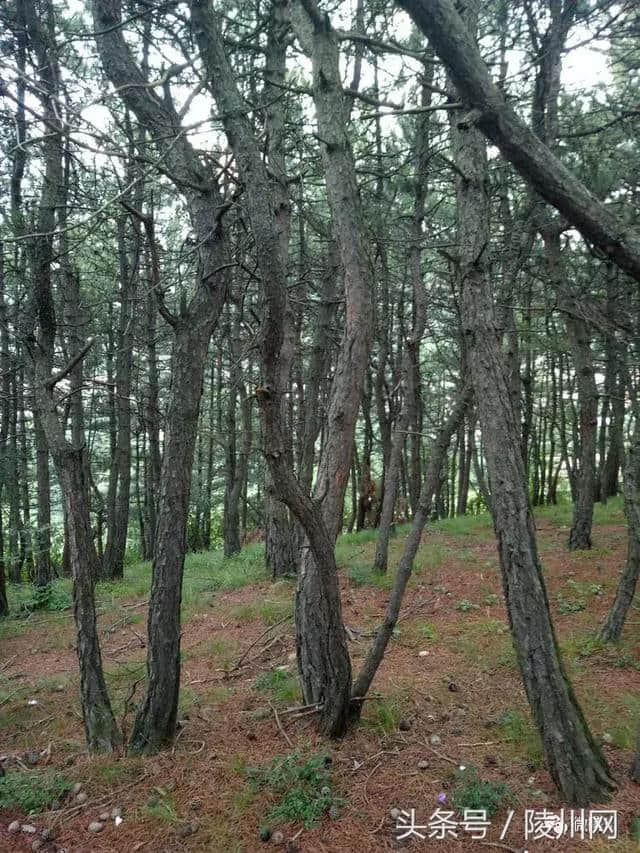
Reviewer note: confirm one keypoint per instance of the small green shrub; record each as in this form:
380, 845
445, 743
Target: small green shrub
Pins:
570, 605
54, 597
472, 792
32, 791
304, 788
465, 606
521, 733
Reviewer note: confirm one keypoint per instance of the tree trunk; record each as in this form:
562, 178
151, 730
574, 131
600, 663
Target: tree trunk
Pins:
573, 758
155, 722
119, 520
580, 534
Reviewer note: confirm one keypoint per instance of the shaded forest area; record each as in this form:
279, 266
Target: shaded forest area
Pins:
288, 293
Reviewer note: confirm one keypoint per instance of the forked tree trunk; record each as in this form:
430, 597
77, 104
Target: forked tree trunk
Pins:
323, 658
573, 758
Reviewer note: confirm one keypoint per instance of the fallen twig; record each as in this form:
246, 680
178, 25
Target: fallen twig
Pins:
10, 696
238, 663
8, 663
279, 724
439, 754
501, 846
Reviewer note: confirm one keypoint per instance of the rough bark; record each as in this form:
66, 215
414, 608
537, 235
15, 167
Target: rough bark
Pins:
578, 333
69, 458
573, 758
323, 657
281, 537
317, 659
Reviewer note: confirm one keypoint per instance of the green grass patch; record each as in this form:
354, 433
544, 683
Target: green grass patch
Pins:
161, 806
107, 770
472, 792
281, 683
32, 791
303, 788
521, 734
465, 525
362, 574
25, 599
268, 611
426, 631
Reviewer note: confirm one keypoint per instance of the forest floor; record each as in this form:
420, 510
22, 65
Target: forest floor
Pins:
447, 695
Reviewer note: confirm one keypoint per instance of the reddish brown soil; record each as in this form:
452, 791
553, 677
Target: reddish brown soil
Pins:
458, 691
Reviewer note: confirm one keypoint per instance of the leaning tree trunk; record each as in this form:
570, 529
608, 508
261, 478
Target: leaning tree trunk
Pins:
573, 758
405, 566
101, 730
489, 110
40, 338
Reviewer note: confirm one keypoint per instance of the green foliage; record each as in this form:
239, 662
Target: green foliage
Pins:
269, 611
520, 732
161, 806
472, 792
303, 787
25, 599
585, 590
465, 606
427, 631
382, 715
282, 684
570, 605
32, 791
362, 574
